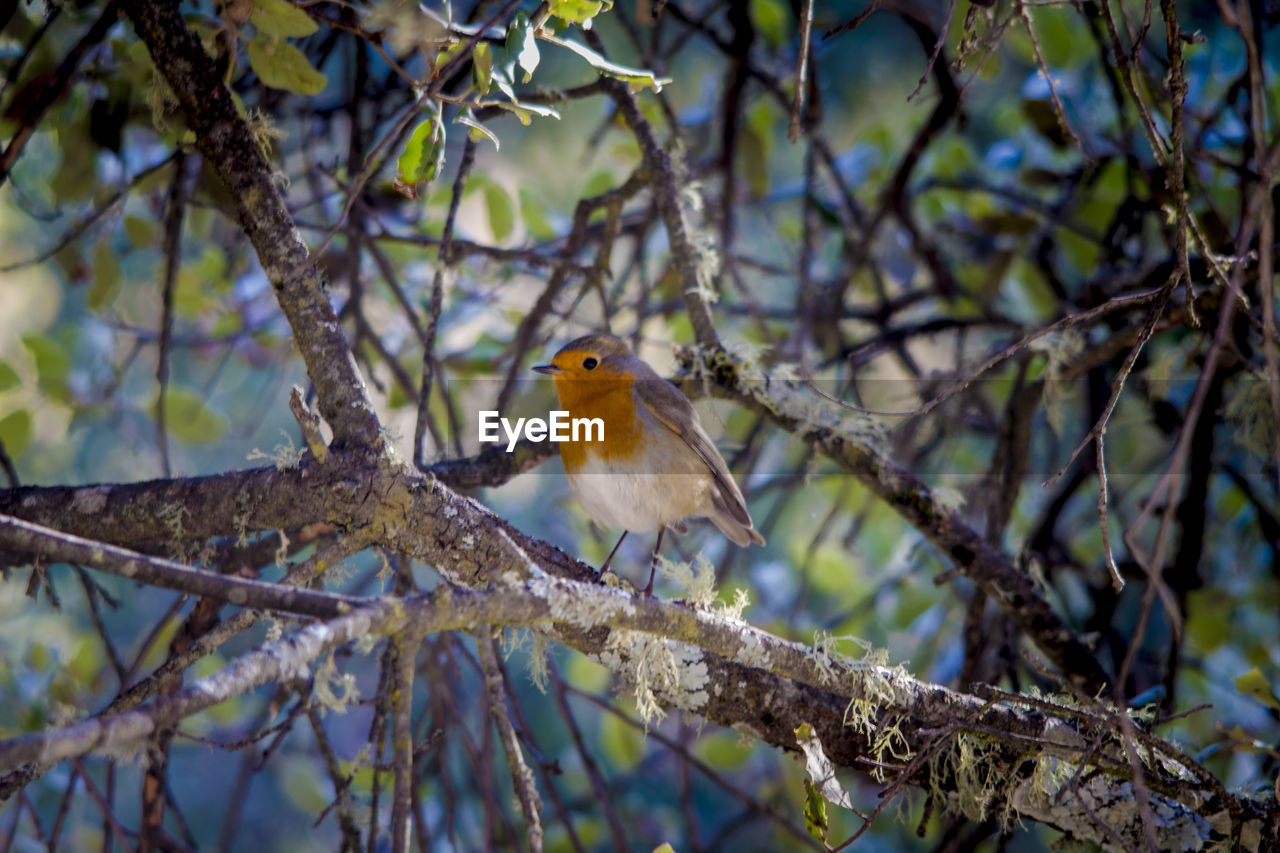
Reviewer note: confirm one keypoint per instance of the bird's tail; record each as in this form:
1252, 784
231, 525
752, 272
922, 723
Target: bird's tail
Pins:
739, 534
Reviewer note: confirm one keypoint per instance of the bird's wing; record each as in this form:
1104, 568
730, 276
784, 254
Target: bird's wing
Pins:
672, 409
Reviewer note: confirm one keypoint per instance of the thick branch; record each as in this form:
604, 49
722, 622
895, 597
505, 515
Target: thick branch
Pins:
726, 670
793, 409
229, 148
61, 547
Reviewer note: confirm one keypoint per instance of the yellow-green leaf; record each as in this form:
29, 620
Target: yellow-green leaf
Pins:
106, 277
52, 361
141, 232
8, 376
189, 419
576, 11
535, 220
482, 68
620, 742
1254, 684
281, 19
477, 130
770, 19
501, 214
280, 65
522, 45
422, 157
638, 78
15, 431
524, 111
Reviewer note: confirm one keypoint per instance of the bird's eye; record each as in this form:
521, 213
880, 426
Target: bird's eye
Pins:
589, 363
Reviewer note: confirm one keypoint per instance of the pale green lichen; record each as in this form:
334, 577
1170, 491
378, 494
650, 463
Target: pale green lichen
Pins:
240, 521
574, 606
1248, 410
333, 691
979, 779
1061, 349
366, 643
697, 578
282, 550
659, 670
284, 456
948, 499
754, 652
536, 645
734, 610
385, 570
263, 129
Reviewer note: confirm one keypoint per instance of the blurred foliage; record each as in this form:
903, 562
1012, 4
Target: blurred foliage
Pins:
1003, 225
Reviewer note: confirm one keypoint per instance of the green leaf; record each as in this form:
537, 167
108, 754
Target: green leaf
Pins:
281, 19
598, 182
280, 65
15, 432
306, 789
501, 213
106, 278
576, 11
1254, 684
478, 131
534, 217
522, 45
52, 361
638, 78
815, 812
620, 743
141, 232
422, 157
189, 419
769, 18
525, 111
755, 161
482, 68
8, 376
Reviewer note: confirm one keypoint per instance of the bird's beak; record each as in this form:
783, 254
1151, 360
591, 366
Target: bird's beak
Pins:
549, 369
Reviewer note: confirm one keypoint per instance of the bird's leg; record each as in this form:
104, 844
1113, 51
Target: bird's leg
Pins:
653, 563
609, 559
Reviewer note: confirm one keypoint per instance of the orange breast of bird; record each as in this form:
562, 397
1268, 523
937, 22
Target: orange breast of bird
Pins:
613, 402
641, 476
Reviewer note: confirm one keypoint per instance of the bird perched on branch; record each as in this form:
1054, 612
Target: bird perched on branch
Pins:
655, 466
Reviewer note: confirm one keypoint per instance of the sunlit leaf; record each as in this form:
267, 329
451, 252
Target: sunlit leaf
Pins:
189, 419
8, 377
53, 363
638, 78
576, 11
770, 18
422, 157
525, 112
534, 218
15, 431
477, 130
482, 68
282, 19
501, 212
106, 277
620, 742
141, 232
1254, 683
522, 45
280, 65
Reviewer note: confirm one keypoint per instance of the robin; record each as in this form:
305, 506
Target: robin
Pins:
654, 466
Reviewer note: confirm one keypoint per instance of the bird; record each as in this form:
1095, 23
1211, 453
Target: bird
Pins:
654, 466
